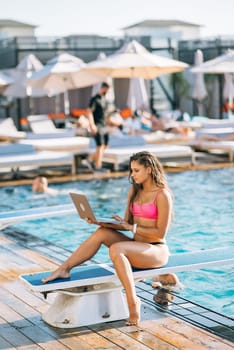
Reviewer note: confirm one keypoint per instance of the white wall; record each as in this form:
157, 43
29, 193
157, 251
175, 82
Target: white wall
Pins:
10, 32
173, 32
186, 33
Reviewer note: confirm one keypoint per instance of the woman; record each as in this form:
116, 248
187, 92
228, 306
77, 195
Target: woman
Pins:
148, 215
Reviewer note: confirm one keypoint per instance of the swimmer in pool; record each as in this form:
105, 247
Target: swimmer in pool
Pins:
40, 185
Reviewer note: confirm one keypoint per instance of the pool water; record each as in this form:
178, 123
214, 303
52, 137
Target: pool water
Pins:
203, 218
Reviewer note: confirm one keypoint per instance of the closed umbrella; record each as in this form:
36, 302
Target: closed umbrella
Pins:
137, 95
64, 72
199, 92
220, 65
228, 91
110, 96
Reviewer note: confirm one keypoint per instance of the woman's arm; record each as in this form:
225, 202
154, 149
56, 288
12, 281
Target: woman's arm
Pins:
124, 223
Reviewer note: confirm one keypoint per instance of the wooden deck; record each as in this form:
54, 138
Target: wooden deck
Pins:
21, 326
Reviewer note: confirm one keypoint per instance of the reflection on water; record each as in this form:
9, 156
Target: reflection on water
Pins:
203, 218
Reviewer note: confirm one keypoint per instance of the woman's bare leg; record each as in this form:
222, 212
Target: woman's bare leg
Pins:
141, 255
86, 251
124, 272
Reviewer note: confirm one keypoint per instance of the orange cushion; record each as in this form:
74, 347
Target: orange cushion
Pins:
126, 113
23, 121
56, 115
78, 112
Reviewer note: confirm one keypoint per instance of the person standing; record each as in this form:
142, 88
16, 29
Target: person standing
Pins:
97, 114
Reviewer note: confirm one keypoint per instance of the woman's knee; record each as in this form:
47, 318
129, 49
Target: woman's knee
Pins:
115, 250
100, 234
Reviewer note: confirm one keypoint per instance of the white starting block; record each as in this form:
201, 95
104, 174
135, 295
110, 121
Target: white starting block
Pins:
93, 293
14, 216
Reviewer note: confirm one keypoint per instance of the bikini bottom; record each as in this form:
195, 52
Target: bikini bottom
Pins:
156, 243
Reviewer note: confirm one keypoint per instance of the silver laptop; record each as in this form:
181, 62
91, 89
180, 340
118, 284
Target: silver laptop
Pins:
85, 211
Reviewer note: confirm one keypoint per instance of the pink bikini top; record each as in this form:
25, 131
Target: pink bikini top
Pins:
146, 211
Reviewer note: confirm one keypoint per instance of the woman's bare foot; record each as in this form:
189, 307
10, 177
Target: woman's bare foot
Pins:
59, 273
134, 314
168, 280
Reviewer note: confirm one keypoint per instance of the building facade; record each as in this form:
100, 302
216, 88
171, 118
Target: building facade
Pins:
171, 38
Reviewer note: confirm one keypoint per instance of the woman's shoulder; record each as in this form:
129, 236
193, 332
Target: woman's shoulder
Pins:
164, 193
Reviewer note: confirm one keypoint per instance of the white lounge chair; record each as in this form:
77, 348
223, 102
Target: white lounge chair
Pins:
217, 147
93, 294
218, 123
42, 126
15, 216
121, 155
66, 144
16, 156
162, 137
216, 132
9, 132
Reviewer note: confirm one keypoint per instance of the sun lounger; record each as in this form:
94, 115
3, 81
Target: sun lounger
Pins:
216, 132
66, 144
9, 132
42, 126
120, 155
218, 123
16, 156
122, 141
93, 293
14, 216
162, 137
217, 147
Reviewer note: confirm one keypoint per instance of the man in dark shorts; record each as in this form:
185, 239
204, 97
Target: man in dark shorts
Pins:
97, 115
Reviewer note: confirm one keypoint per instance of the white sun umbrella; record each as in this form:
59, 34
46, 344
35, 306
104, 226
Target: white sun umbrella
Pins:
20, 74
219, 65
199, 91
134, 61
137, 95
19, 89
64, 72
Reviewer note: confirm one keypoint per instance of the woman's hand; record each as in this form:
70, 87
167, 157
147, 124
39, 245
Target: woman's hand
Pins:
123, 225
89, 221
118, 218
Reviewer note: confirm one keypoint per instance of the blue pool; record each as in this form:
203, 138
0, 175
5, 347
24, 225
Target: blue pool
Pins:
203, 218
